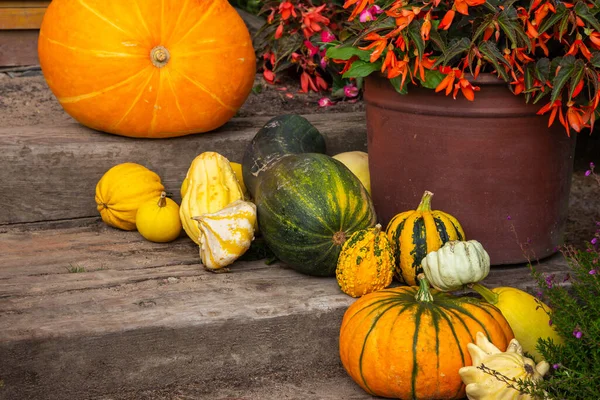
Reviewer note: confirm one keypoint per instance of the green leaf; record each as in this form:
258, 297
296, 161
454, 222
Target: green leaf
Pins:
456, 49
414, 31
542, 69
436, 38
432, 79
562, 29
361, 69
567, 65
396, 84
576, 76
492, 54
592, 80
583, 11
487, 21
595, 60
541, 95
346, 52
508, 23
528, 79
561, 11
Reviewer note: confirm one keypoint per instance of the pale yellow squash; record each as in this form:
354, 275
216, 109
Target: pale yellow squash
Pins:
358, 163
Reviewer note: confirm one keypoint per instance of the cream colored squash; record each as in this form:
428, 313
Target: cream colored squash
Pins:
358, 163
227, 234
211, 186
455, 264
483, 385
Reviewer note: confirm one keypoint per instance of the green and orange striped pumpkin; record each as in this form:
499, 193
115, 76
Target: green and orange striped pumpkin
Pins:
409, 342
415, 233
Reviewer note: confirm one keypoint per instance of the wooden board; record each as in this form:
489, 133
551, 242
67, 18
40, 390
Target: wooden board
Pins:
146, 315
21, 18
51, 171
18, 47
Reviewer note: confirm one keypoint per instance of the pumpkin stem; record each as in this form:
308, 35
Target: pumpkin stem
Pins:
486, 293
162, 201
423, 294
159, 56
425, 204
377, 229
339, 238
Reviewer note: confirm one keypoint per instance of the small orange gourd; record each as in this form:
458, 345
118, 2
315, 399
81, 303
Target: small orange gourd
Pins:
157, 220
147, 68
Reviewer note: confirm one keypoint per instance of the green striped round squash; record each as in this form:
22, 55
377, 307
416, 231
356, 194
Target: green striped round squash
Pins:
409, 342
281, 135
415, 233
308, 205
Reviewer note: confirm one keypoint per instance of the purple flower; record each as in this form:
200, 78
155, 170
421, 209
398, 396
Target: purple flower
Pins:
556, 366
350, 91
594, 240
325, 102
327, 36
508, 218
550, 281
588, 172
593, 272
577, 333
592, 165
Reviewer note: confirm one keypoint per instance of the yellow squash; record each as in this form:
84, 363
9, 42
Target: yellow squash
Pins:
237, 170
528, 316
121, 191
158, 220
366, 262
211, 186
227, 234
511, 365
358, 163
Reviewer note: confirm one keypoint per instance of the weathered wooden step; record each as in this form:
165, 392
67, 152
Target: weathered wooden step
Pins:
50, 171
140, 316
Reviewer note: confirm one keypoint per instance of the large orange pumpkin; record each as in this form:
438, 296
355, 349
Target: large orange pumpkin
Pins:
409, 342
147, 68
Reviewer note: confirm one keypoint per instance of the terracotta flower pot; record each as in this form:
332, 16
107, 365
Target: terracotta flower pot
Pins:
492, 163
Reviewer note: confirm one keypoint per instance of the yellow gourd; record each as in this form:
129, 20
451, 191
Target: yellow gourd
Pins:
157, 220
511, 364
122, 189
366, 262
358, 163
527, 316
211, 186
237, 170
227, 234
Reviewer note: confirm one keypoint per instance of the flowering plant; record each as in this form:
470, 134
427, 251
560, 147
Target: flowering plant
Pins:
546, 50
294, 37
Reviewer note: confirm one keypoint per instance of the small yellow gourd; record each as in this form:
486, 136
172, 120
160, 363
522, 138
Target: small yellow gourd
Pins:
366, 262
121, 191
488, 360
227, 234
157, 220
211, 186
358, 163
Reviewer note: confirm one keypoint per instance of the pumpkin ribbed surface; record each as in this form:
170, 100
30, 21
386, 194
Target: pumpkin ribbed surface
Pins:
366, 263
409, 343
415, 233
147, 68
122, 190
308, 205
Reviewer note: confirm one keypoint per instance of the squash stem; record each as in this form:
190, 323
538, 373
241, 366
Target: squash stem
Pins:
425, 204
377, 229
486, 293
423, 294
162, 201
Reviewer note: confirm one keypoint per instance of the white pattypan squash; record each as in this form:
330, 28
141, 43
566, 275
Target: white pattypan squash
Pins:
494, 373
226, 235
455, 264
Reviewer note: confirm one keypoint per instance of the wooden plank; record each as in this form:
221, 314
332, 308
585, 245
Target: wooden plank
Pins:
18, 47
24, 4
51, 171
21, 18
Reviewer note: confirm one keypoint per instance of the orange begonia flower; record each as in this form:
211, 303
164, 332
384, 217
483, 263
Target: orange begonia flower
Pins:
286, 9
360, 6
379, 43
462, 6
447, 20
579, 46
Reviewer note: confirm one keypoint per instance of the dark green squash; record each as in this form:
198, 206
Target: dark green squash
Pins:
284, 134
308, 205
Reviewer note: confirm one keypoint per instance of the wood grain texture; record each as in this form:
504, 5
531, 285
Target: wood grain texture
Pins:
21, 18
51, 171
146, 315
18, 47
